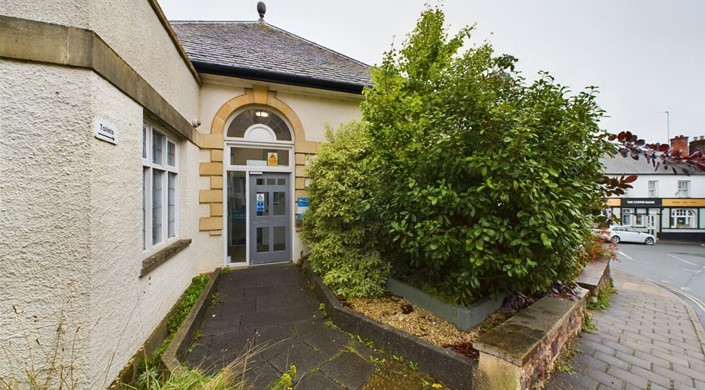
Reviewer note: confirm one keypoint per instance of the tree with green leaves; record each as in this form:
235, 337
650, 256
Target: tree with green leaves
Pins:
487, 183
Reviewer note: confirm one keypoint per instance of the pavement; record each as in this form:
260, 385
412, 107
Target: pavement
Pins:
646, 339
270, 314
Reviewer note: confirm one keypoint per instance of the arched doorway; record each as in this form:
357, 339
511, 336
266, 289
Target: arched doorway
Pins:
259, 162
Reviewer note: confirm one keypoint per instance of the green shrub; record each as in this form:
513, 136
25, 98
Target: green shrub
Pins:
487, 184
198, 283
341, 224
190, 296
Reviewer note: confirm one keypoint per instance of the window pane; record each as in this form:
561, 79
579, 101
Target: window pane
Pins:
170, 154
246, 119
279, 238
263, 239
279, 203
258, 157
627, 217
172, 206
281, 182
145, 194
157, 206
144, 142
237, 216
157, 141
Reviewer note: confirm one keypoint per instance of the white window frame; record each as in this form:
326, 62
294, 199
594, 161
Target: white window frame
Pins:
169, 170
683, 189
627, 213
689, 217
653, 188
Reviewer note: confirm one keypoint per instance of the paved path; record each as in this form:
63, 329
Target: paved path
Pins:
272, 307
646, 339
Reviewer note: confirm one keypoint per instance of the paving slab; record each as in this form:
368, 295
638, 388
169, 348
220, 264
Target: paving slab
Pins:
271, 312
646, 339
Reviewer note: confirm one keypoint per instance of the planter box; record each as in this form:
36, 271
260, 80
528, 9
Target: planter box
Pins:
454, 370
464, 317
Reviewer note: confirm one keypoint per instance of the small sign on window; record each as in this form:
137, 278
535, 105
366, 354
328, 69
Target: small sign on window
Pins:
260, 202
272, 159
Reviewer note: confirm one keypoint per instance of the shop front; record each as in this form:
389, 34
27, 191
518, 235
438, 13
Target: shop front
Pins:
680, 219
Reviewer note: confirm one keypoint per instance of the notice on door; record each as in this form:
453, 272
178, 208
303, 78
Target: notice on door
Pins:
260, 202
272, 159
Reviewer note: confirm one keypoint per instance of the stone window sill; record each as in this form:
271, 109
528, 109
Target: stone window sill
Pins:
152, 262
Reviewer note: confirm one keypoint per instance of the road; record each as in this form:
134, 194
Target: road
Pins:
679, 268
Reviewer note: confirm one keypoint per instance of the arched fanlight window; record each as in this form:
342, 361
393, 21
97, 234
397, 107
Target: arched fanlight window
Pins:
258, 124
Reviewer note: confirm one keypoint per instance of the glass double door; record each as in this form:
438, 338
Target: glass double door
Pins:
266, 234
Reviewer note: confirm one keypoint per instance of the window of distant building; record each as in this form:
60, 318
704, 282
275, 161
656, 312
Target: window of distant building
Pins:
683, 189
683, 218
627, 217
653, 188
160, 186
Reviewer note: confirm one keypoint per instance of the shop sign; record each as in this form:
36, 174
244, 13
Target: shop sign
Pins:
684, 202
641, 202
614, 202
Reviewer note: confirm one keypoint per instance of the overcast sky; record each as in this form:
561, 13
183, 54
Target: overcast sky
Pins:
646, 56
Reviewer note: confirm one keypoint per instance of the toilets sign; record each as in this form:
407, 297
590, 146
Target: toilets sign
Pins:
105, 131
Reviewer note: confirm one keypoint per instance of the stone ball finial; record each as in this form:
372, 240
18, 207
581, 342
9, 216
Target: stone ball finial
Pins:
261, 9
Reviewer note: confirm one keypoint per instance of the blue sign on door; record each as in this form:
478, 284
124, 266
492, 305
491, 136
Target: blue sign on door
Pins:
260, 202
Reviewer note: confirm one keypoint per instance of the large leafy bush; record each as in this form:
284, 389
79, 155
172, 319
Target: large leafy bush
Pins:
487, 184
467, 178
340, 224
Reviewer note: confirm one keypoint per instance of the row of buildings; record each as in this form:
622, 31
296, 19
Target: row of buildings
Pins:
669, 206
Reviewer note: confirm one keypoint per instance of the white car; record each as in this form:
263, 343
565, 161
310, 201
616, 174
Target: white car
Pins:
629, 234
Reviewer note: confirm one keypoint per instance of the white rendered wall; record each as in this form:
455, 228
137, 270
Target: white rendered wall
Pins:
45, 251
213, 96
667, 186
73, 13
125, 309
134, 31
317, 112
71, 217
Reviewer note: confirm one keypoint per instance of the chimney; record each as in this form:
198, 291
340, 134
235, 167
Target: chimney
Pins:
698, 143
681, 143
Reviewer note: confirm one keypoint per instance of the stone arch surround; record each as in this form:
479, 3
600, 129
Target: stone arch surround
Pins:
213, 169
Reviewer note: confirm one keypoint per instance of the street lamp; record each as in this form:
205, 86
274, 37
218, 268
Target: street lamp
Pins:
668, 127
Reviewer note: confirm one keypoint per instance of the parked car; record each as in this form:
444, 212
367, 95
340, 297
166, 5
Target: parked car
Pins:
618, 234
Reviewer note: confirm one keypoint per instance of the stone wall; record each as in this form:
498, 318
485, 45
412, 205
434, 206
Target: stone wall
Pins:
519, 353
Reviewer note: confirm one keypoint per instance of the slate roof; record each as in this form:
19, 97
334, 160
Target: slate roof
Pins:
619, 165
260, 51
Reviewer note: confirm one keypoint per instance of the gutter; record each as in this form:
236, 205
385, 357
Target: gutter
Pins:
276, 77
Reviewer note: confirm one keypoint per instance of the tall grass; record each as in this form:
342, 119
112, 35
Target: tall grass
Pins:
46, 366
